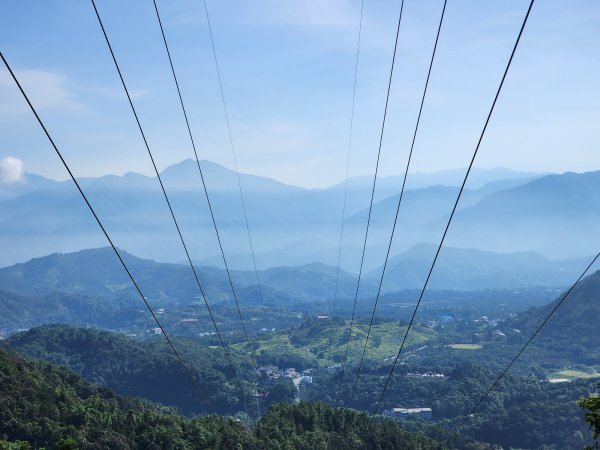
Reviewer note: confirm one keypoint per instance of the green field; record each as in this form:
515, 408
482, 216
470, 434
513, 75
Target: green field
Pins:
311, 342
568, 373
465, 346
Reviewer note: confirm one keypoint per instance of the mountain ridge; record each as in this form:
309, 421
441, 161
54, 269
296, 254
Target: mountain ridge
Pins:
291, 225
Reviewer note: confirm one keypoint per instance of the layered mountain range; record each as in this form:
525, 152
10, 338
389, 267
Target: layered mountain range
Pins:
502, 211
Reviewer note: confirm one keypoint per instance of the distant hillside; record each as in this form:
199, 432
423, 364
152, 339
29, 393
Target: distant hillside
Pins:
423, 205
90, 288
31, 182
463, 269
418, 207
453, 177
22, 312
572, 332
98, 272
310, 281
142, 369
556, 215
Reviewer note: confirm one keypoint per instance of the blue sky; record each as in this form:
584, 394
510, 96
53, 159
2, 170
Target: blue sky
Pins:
287, 70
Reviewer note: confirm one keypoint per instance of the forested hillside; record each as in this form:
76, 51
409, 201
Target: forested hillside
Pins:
78, 415
143, 369
571, 335
533, 409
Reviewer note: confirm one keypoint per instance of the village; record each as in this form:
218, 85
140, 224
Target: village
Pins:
298, 378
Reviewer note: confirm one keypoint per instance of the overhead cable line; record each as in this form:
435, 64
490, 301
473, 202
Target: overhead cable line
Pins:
487, 121
117, 253
412, 146
237, 172
214, 222
387, 98
339, 259
195, 273
537, 331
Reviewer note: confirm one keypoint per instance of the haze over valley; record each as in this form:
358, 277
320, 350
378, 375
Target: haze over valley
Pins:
319, 224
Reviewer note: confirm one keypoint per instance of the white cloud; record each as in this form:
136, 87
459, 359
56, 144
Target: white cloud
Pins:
11, 171
46, 90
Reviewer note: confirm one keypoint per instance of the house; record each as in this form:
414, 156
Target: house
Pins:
291, 373
402, 413
306, 379
426, 375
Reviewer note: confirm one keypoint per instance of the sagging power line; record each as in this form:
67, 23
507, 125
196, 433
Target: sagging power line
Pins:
210, 208
100, 224
439, 248
387, 98
168, 202
391, 240
537, 331
233, 153
339, 257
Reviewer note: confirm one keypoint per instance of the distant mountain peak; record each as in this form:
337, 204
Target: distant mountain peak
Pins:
185, 175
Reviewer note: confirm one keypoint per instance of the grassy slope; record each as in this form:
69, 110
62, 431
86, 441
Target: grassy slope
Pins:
311, 342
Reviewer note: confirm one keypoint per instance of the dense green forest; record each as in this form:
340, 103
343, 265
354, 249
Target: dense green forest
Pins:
59, 410
592, 415
140, 368
523, 411
571, 334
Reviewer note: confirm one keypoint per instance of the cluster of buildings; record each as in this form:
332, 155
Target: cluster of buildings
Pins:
426, 375
486, 319
274, 372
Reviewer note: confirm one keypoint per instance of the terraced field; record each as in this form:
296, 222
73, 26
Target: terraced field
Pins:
311, 341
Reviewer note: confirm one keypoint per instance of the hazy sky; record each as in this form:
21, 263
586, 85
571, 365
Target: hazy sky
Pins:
288, 70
